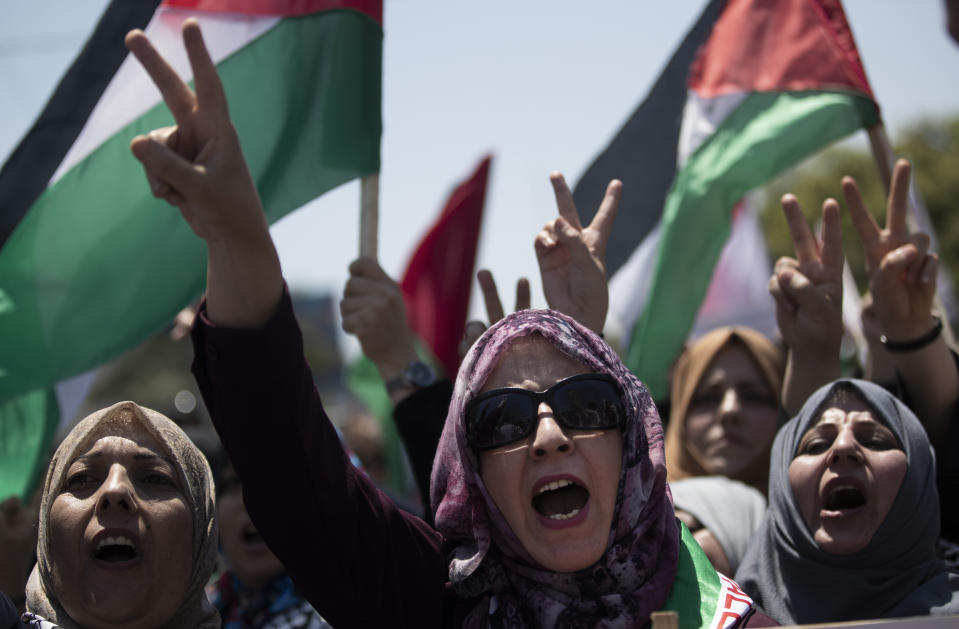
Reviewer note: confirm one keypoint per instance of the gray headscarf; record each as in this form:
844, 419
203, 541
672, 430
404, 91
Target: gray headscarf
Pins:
196, 480
731, 510
896, 575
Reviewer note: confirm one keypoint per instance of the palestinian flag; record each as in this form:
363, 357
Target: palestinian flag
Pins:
90, 262
756, 86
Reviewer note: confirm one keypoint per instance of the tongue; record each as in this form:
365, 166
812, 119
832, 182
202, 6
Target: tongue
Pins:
561, 501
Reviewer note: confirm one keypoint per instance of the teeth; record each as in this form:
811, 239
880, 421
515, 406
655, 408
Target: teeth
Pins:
553, 486
563, 516
116, 541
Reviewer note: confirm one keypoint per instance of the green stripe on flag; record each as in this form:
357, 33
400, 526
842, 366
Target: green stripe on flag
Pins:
767, 133
27, 426
98, 264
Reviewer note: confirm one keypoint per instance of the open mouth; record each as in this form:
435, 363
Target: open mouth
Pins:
844, 497
560, 499
115, 549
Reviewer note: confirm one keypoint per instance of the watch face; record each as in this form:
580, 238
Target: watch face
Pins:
420, 374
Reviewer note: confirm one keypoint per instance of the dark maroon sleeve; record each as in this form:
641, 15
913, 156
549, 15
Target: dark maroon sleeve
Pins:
758, 619
356, 557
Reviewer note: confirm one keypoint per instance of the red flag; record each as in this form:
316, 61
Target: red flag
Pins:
437, 282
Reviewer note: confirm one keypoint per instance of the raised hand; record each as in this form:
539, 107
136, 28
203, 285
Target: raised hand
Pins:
198, 166
807, 290
374, 311
572, 259
902, 274
494, 307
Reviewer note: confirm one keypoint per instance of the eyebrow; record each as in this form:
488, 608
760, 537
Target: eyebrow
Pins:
139, 456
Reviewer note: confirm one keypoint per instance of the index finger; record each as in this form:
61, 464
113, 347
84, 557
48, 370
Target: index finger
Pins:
176, 94
606, 214
564, 199
209, 90
898, 199
832, 256
807, 250
494, 307
522, 294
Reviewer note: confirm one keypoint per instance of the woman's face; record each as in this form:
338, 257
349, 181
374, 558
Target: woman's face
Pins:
249, 558
845, 476
731, 420
537, 481
121, 535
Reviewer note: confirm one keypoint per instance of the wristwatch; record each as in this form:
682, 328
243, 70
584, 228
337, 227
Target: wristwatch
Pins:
416, 375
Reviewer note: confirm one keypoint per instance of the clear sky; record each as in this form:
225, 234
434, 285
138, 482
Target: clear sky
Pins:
542, 85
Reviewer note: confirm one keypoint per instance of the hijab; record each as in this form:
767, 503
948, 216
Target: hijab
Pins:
634, 576
195, 479
711, 500
896, 575
689, 370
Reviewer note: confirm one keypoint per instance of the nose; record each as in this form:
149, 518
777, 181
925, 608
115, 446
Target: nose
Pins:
549, 437
730, 407
116, 492
845, 447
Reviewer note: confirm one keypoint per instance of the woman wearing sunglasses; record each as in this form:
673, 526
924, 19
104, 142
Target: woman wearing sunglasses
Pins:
549, 489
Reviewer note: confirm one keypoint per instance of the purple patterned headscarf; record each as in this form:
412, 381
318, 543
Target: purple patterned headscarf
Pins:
632, 579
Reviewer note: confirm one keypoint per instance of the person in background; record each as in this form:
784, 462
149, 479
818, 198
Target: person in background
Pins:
254, 592
724, 401
722, 514
18, 546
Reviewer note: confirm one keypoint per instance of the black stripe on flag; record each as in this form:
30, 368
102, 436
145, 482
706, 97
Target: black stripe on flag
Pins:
27, 172
643, 153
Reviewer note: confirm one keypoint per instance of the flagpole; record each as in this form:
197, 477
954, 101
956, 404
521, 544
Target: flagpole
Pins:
917, 217
369, 214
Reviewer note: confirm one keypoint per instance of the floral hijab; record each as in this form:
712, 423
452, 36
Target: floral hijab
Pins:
631, 580
195, 479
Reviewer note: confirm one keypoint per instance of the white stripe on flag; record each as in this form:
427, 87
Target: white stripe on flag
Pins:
131, 93
738, 292
737, 295
629, 288
701, 118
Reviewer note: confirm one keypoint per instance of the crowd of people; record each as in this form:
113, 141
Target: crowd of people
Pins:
556, 497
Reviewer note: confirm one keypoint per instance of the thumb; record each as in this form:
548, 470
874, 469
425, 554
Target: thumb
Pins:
796, 287
894, 267
571, 239
161, 162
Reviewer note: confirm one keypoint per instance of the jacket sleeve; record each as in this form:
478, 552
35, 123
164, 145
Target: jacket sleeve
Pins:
356, 557
419, 419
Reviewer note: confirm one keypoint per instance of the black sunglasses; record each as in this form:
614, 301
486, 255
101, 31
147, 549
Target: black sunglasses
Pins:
584, 402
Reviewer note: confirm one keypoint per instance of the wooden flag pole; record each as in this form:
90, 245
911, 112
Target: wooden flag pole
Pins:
664, 620
369, 214
885, 160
